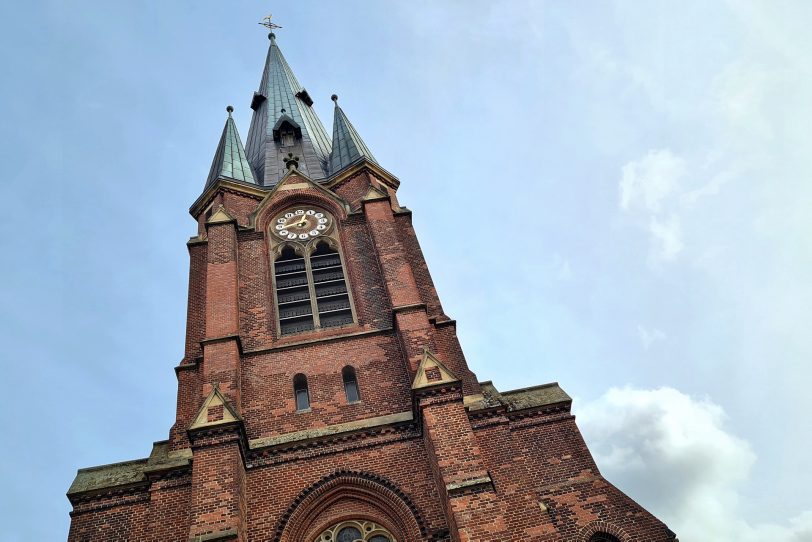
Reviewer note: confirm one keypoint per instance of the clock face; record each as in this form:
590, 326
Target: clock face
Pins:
301, 224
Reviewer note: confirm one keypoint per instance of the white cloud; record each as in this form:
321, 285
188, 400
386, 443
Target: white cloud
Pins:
666, 238
648, 188
646, 182
650, 336
673, 454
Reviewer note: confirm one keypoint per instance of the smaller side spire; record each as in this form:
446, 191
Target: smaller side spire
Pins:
230, 161
347, 144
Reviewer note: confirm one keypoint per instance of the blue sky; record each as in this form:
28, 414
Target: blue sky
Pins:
613, 195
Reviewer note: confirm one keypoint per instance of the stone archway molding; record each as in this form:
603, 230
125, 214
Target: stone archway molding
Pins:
398, 513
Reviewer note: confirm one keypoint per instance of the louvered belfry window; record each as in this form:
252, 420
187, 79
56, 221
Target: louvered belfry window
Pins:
332, 298
293, 292
311, 292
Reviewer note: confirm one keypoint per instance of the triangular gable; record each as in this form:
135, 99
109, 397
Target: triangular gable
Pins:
374, 194
296, 180
432, 372
215, 410
220, 216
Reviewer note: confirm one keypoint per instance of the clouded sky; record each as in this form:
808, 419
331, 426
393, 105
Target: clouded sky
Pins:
612, 195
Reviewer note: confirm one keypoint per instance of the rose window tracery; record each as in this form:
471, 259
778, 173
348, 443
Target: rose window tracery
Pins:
356, 531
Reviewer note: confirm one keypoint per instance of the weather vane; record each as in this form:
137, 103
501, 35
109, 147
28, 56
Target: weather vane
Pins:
266, 22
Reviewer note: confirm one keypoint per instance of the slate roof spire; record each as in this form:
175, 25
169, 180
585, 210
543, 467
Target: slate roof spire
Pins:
347, 144
283, 122
229, 160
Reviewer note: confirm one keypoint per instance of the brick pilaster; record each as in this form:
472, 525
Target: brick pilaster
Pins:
221, 349
218, 504
473, 509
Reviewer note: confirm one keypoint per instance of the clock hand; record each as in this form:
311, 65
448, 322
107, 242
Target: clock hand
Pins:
298, 222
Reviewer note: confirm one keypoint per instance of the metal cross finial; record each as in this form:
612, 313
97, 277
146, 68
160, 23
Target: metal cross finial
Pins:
266, 22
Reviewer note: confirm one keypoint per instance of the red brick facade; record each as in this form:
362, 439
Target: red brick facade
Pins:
428, 453
323, 395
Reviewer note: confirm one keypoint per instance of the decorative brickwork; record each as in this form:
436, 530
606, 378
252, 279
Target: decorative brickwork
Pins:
427, 453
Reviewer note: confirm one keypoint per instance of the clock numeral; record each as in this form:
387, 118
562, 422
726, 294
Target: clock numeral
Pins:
299, 212
311, 212
319, 215
322, 221
314, 232
280, 220
321, 227
291, 236
288, 215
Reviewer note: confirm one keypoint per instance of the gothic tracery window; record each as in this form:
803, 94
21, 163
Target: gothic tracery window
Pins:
309, 278
356, 531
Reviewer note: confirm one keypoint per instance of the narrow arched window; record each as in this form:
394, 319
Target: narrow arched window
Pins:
350, 384
301, 392
603, 537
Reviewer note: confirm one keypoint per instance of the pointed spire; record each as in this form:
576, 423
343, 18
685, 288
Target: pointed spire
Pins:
284, 122
347, 144
230, 161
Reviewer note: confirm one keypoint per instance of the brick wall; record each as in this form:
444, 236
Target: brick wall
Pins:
431, 471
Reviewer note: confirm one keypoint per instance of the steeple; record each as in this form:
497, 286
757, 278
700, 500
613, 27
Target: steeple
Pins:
284, 122
347, 144
229, 159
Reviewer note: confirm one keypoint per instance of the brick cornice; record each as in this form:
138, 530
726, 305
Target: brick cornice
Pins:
221, 339
319, 340
233, 187
118, 496
330, 444
221, 433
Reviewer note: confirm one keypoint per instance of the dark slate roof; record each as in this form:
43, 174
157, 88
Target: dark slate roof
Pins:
347, 144
279, 90
229, 160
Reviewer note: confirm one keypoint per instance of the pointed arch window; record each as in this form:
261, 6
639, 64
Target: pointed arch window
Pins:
350, 384
301, 393
311, 289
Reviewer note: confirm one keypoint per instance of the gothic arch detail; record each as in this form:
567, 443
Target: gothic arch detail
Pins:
600, 527
350, 496
276, 201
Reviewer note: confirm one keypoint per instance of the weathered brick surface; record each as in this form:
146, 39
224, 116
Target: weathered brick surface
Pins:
416, 461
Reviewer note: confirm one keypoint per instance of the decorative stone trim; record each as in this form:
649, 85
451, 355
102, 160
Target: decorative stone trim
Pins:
469, 486
340, 443
221, 536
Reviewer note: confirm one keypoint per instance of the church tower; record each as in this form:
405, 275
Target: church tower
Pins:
323, 395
